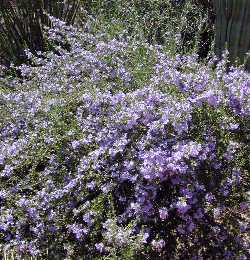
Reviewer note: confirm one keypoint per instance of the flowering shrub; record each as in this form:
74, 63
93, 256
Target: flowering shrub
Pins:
104, 155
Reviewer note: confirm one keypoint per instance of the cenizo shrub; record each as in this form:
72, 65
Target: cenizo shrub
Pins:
108, 156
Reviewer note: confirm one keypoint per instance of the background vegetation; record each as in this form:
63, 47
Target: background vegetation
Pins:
190, 23
22, 25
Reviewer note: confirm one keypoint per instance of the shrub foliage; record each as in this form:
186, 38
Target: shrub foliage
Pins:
121, 150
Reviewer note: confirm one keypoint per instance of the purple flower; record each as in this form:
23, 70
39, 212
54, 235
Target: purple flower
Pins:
158, 245
91, 185
209, 197
78, 231
7, 171
145, 237
216, 212
1, 159
23, 202
32, 213
199, 214
191, 226
99, 247
163, 212
181, 229
9, 219
244, 206
182, 207
75, 144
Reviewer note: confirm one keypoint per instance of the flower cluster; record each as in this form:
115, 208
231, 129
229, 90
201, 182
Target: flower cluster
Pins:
92, 162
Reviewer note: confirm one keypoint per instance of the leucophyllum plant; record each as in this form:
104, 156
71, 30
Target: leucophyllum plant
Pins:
93, 164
